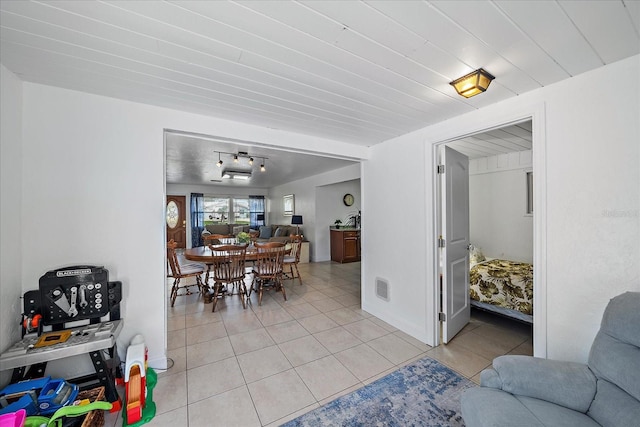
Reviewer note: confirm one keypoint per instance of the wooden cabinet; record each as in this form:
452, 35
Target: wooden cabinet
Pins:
345, 245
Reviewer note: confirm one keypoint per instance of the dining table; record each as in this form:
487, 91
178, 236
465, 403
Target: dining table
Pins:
204, 254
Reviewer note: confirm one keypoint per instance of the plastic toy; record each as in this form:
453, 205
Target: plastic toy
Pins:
40, 396
139, 408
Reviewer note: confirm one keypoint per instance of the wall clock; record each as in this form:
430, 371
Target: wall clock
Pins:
348, 199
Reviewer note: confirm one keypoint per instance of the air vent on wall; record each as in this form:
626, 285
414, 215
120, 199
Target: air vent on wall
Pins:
382, 289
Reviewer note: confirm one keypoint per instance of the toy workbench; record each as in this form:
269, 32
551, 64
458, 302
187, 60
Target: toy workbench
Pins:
79, 294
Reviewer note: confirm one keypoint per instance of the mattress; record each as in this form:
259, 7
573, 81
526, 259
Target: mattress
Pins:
503, 283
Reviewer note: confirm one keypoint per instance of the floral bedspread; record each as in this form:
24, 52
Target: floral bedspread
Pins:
504, 283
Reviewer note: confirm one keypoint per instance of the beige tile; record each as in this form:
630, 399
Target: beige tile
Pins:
299, 311
413, 341
363, 361
230, 409
393, 348
178, 357
383, 324
177, 417
524, 349
312, 296
174, 323
344, 316
365, 330
459, 359
317, 323
214, 378
487, 347
250, 341
206, 332
262, 363
273, 317
303, 350
280, 395
176, 339
242, 323
326, 376
287, 331
327, 304
171, 390
292, 416
208, 352
349, 299
337, 339
202, 318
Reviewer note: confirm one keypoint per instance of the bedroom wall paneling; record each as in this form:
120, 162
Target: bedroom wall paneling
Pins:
499, 224
11, 219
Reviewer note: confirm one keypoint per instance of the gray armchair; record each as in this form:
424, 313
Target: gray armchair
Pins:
526, 391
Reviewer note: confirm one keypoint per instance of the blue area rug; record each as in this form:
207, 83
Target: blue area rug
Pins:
424, 393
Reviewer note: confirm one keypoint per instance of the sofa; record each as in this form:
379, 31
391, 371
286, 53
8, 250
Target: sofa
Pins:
268, 233
528, 391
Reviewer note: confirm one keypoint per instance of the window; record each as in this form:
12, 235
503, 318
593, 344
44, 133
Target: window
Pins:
226, 210
529, 205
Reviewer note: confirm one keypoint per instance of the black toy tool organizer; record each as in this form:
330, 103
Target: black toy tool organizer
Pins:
74, 293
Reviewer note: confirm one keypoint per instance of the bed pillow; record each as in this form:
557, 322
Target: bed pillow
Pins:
265, 232
475, 255
280, 232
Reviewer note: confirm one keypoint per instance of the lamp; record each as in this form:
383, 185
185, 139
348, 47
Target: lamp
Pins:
237, 156
297, 221
262, 168
260, 217
473, 83
219, 161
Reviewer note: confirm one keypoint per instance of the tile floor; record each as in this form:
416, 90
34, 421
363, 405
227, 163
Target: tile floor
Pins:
268, 364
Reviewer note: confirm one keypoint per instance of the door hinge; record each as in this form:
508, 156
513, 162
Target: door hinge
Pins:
440, 242
440, 169
442, 317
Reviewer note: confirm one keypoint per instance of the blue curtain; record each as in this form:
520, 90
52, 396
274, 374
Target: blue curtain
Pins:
197, 219
256, 206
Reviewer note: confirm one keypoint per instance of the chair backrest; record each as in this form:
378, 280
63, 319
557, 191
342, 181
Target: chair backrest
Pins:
615, 360
172, 257
229, 262
269, 245
296, 246
270, 259
214, 239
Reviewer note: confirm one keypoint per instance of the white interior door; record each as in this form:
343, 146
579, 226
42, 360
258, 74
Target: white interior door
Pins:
455, 237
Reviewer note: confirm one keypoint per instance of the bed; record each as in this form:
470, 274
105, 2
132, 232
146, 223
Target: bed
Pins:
504, 287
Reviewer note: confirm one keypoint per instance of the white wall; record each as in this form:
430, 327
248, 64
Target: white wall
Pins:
329, 208
498, 222
586, 156
186, 190
315, 228
11, 217
95, 184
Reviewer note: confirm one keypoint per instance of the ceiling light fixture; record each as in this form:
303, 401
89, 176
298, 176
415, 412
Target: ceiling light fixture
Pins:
219, 161
236, 174
473, 83
251, 161
235, 158
262, 168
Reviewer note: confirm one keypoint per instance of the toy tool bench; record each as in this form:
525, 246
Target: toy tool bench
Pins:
80, 293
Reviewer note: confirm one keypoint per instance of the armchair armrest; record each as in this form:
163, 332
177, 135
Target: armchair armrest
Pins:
568, 384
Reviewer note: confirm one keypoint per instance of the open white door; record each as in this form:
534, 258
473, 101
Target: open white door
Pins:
456, 308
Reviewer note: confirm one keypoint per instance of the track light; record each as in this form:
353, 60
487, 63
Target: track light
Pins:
235, 158
262, 168
251, 161
219, 161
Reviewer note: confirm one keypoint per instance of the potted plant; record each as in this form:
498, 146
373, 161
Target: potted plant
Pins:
244, 237
337, 223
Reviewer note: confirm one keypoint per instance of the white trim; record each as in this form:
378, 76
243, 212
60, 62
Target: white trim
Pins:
535, 113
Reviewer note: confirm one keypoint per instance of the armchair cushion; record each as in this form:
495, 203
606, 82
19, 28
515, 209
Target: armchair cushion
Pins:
569, 384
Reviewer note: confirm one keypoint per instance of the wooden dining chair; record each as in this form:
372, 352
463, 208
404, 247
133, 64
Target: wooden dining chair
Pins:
292, 259
179, 272
228, 270
267, 270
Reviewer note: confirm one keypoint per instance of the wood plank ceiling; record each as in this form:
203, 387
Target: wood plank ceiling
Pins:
355, 71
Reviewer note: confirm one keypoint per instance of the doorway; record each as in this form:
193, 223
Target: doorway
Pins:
536, 223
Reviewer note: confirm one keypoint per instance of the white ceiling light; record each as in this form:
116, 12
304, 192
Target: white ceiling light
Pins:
236, 174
